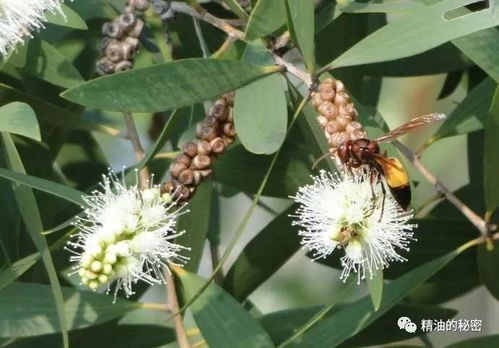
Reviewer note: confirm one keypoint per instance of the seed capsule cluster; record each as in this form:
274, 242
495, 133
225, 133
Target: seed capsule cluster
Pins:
194, 163
337, 114
121, 39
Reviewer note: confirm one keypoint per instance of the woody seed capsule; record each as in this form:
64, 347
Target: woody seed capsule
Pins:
205, 173
114, 51
341, 98
201, 161
327, 93
207, 132
104, 66
348, 109
126, 20
316, 99
136, 30
190, 149
176, 168
352, 126
219, 110
322, 121
139, 5
197, 177
112, 30
204, 147
217, 145
229, 129
358, 134
344, 120
123, 65
328, 109
338, 138
186, 177
184, 159
334, 126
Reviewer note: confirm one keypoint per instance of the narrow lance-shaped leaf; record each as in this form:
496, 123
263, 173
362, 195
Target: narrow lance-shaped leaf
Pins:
53, 188
491, 160
375, 286
396, 40
166, 86
18, 268
196, 223
487, 266
19, 118
470, 115
482, 48
66, 18
260, 111
222, 320
28, 207
347, 322
258, 262
301, 20
267, 16
28, 309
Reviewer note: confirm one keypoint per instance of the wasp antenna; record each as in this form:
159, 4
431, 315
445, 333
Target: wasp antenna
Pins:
317, 161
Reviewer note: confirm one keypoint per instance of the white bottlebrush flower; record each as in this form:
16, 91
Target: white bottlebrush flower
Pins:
19, 17
125, 236
348, 213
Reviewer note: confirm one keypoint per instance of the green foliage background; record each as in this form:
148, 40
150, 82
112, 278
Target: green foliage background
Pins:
62, 128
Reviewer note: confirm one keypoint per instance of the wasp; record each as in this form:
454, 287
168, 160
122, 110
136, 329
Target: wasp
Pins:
356, 153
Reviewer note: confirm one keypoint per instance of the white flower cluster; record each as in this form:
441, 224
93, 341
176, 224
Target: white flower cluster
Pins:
351, 213
19, 17
125, 236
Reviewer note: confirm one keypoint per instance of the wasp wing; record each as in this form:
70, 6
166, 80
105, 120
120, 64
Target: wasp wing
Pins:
414, 123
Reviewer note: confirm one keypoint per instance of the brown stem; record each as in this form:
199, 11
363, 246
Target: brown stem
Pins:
133, 136
182, 340
473, 217
215, 260
236, 34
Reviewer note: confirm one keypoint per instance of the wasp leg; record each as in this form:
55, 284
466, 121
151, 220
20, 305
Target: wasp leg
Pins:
383, 191
373, 194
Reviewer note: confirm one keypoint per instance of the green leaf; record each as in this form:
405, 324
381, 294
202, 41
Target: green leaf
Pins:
31, 216
19, 118
243, 170
28, 309
353, 318
68, 18
257, 262
470, 115
282, 324
53, 188
267, 16
260, 111
222, 320
45, 62
482, 48
477, 342
196, 223
50, 114
396, 40
106, 336
15, 270
166, 86
491, 165
487, 266
301, 21
375, 286
237, 9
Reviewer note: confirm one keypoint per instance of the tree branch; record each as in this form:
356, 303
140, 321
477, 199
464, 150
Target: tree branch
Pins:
473, 217
182, 340
133, 135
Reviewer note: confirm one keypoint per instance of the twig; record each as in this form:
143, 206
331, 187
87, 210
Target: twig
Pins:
474, 218
182, 340
133, 136
236, 34
215, 260
302, 75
